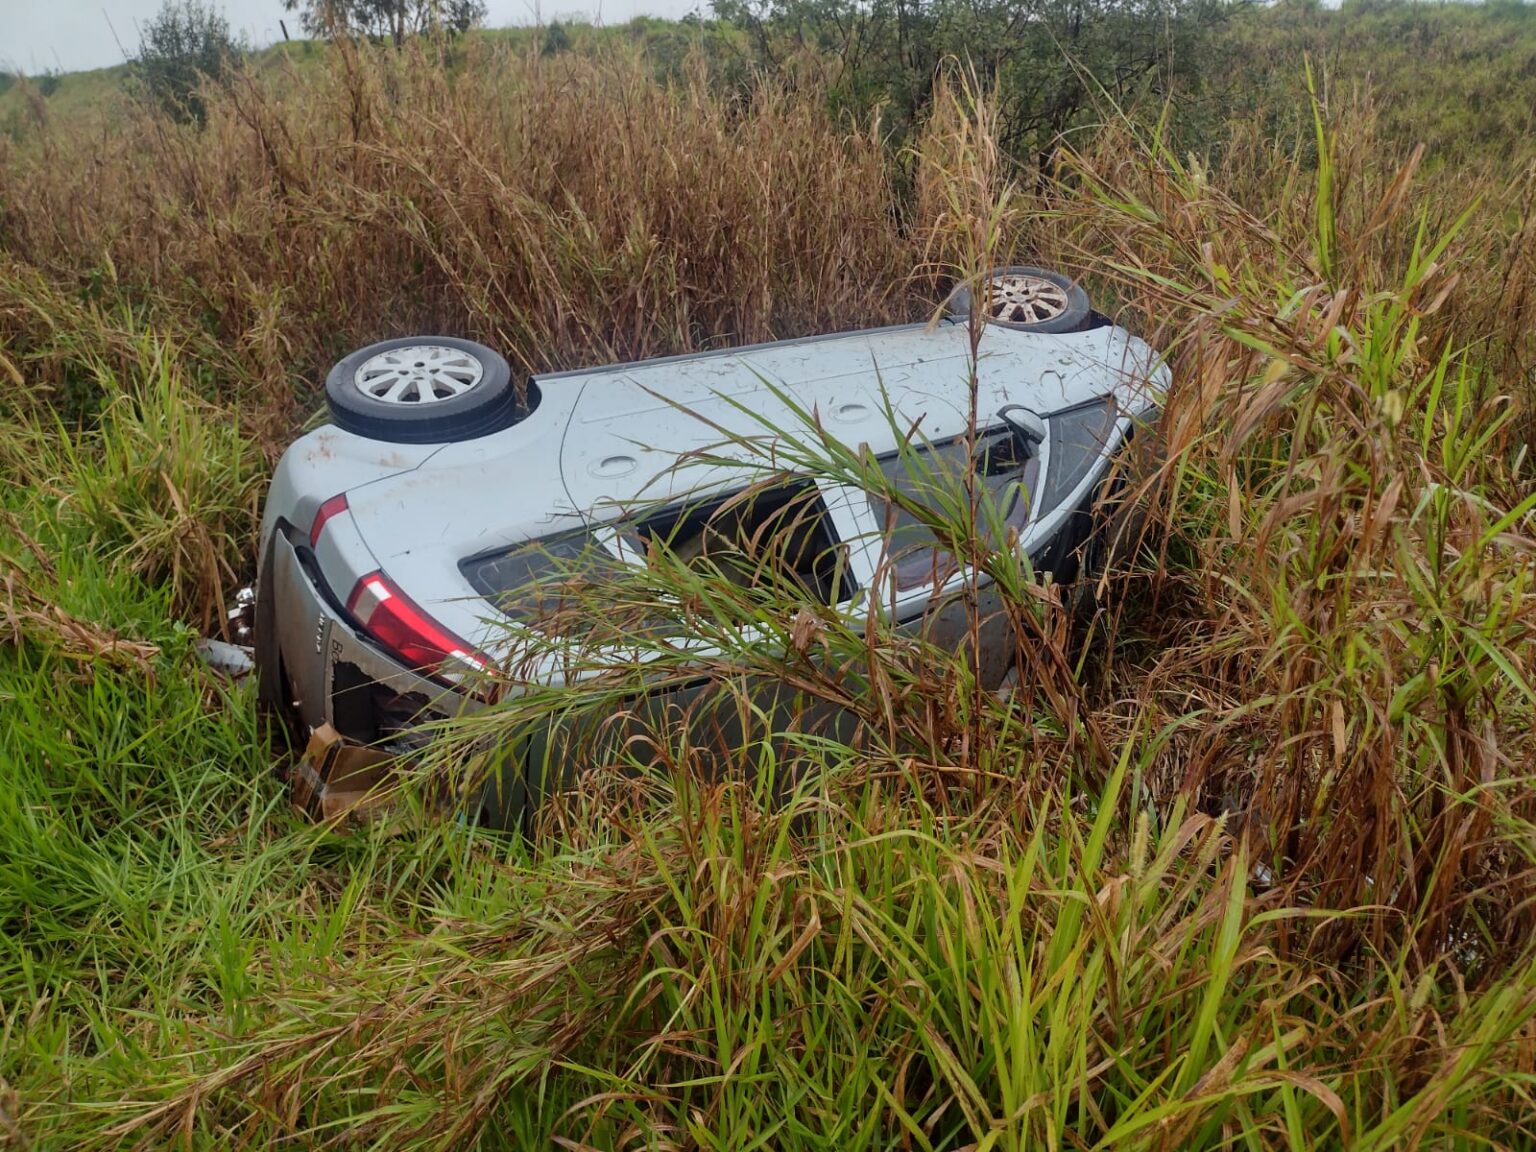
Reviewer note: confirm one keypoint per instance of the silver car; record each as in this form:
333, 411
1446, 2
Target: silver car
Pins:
396, 538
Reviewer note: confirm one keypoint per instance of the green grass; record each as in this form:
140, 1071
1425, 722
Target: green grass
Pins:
1244, 861
76, 97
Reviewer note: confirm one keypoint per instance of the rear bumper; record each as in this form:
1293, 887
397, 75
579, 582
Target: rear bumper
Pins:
320, 670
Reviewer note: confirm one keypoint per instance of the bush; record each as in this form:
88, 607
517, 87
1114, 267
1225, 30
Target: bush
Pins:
556, 39
1052, 66
392, 20
185, 43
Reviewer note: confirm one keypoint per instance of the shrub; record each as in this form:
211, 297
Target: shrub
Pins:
184, 44
392, 20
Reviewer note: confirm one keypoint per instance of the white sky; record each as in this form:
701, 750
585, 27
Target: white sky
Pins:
72, 35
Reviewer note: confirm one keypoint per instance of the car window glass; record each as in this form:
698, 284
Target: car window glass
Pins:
530, 582
779, 535
933, 476
775, 536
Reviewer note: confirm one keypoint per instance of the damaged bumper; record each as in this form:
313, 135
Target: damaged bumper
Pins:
330, 674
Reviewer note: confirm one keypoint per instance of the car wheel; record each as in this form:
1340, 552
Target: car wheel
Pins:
424, 390
1027, 300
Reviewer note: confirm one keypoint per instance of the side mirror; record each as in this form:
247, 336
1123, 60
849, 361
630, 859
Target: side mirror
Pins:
1028, 426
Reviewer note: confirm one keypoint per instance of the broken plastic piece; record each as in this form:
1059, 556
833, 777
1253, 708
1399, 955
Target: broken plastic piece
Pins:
232, 660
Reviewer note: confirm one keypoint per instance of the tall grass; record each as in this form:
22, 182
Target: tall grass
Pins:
570, 211
1243, 860
1351, 520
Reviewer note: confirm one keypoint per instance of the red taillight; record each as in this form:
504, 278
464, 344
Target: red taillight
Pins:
332, 506
393, 619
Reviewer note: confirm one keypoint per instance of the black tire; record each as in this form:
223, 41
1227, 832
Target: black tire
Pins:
1073, 312
457, 390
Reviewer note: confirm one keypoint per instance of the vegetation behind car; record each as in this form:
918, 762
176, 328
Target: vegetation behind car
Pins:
1246, 858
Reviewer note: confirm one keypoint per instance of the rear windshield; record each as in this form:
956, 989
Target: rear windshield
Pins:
933, 476
775, 536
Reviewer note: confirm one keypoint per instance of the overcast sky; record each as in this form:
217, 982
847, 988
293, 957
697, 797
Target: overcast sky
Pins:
71, 35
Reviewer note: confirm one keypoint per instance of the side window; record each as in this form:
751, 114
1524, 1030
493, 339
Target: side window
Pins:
934, 477
779, 535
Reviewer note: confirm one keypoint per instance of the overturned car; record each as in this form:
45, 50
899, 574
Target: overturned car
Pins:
404, 545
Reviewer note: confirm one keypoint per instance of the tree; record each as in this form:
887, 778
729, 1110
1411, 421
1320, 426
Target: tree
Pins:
556, 40
387, 19
184, 42
1048, 58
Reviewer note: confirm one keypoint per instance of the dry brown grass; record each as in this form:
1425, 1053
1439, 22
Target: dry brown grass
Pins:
569, 211
1320, 655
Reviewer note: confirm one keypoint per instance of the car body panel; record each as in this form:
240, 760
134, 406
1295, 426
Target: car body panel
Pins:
599, 441
546, 474
665, 408
324, 463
